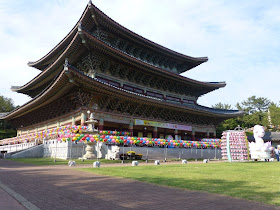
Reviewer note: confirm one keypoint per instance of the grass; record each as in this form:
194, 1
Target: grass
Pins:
50, 161
257, 181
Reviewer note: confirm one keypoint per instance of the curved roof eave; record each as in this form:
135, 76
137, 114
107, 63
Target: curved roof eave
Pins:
62, 80
215, 85
38, 78
196, 108
65, 41
40, 99
50, 55
143, 39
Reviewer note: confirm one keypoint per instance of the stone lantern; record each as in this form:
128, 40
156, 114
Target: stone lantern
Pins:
93, 131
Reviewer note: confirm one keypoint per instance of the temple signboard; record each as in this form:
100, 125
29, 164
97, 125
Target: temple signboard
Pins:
162, 125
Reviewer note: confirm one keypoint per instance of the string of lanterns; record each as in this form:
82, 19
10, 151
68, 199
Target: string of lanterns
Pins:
76, 134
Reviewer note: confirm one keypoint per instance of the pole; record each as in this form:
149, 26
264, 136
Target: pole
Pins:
180, 153
123, 155
71, 150
97, 152
196, 154
215, 153
83, 151
147, 154
55, 151
165, 154
130, 151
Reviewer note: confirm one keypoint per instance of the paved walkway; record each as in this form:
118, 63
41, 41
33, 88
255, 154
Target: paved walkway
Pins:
61, 187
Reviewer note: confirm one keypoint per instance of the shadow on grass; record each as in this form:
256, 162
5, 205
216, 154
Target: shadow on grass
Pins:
61, 189
253, 188
239, 189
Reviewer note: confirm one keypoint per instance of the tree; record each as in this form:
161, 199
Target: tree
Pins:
254, 104
6, 129
222, 106
228, 124
6, 104
274, 114
256, 111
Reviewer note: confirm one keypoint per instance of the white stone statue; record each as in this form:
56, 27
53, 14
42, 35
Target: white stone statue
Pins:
112, 152
205, 160
71, 163
135, 163
258, 149
157, 162
96, 164
101, 149
184, 161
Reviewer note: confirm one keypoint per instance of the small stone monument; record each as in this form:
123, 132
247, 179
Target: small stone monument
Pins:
205, 160
184, 161
135, 163
157, 162
96, 164
71, 163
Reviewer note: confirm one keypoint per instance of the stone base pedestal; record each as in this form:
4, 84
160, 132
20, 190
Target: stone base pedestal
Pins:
89, 151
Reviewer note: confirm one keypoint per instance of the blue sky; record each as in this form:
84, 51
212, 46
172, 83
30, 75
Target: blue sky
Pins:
240, 38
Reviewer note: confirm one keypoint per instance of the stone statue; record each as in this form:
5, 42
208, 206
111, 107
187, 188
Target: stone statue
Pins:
112, 152
101, 149
258, 149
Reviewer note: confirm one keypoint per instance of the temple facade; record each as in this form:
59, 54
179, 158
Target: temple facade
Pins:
129, 83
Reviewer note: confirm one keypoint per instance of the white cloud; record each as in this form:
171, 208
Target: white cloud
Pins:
239, 37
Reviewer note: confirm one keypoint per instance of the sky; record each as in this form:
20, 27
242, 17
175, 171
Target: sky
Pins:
241, 39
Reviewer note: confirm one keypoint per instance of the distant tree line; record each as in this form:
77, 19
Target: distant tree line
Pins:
256, 112
6, 129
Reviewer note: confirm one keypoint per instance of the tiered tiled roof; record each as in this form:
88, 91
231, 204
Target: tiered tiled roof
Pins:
96, 32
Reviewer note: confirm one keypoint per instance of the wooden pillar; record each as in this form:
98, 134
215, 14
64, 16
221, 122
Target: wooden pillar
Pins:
193, 135
176, 134
130, 128
214, 134
145, 132
101, 124
207, 134
83, 118
155, 132
73, 120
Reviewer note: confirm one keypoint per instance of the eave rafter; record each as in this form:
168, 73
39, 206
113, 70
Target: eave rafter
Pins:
87, 83
63, 84
97, 43
91, 9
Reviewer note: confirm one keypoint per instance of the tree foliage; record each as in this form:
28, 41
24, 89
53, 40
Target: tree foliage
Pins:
256, 112
275, 114
6, 129
222, 106
254, 104
6, 104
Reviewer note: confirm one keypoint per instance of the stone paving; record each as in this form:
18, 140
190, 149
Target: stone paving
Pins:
61, 187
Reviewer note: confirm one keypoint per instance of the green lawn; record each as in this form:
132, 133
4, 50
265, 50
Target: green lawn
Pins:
258, 181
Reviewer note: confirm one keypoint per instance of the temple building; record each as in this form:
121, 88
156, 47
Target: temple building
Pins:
128, 82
